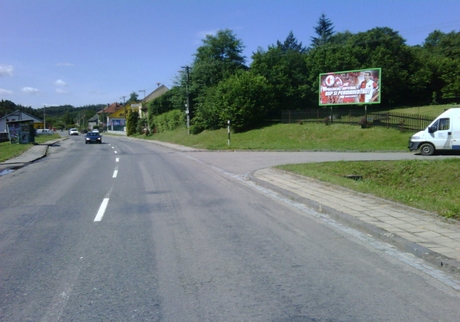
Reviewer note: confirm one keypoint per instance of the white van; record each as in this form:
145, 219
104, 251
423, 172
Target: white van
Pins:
442, 134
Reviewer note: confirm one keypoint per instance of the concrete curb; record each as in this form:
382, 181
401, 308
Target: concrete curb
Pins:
35, 153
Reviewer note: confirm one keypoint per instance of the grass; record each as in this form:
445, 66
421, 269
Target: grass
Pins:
429, 110
9, 151
294, 137
428, 185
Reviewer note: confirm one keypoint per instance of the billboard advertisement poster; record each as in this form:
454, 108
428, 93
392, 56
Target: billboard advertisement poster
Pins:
354, 87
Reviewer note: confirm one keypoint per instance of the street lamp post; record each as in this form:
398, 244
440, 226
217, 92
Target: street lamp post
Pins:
44, 117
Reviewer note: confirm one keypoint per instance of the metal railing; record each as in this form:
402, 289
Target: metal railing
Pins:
401, 121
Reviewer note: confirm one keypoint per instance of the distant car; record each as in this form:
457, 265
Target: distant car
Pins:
95, 131
44, 131
73, 131
92, 137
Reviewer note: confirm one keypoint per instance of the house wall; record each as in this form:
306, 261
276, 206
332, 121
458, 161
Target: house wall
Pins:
19, 116
116, 124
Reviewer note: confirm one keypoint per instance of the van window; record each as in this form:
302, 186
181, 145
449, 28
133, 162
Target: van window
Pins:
444, 124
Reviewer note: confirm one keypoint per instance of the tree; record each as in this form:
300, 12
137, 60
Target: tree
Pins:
324, 30
291, 44
443, 58
285, 70
223, 47
340, 38
218, 58
171, 100
131, 122
243, 98
386, 49
133, 98
433, 41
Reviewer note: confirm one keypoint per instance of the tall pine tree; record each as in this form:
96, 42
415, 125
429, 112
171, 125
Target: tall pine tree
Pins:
324, 30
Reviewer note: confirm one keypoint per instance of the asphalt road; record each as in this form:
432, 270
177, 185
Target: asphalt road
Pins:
130, 231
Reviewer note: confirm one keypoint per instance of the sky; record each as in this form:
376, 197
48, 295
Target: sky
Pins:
84, 52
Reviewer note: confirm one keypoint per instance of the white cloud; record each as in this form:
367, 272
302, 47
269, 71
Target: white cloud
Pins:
6, 70
60, 82
5, 92
30, 90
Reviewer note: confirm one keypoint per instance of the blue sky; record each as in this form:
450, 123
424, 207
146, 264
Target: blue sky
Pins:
81, 52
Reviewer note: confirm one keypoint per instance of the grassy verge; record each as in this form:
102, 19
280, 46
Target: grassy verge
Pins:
429, 185
9, 151
293, 137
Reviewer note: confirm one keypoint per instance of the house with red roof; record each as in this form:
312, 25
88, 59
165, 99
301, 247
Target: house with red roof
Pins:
114, 117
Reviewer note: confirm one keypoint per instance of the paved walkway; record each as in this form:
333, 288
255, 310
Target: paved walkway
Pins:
34, 153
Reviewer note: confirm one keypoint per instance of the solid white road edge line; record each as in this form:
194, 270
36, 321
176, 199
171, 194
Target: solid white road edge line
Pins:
101, 210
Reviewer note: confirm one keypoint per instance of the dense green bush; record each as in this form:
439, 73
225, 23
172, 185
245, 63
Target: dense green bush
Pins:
133, 118
168, 121
244, 99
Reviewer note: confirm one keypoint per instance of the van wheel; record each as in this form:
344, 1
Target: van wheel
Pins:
427, 149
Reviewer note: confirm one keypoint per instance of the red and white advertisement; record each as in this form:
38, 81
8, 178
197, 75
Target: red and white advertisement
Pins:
356, 87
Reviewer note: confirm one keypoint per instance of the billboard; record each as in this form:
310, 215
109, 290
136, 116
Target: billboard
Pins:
352, 87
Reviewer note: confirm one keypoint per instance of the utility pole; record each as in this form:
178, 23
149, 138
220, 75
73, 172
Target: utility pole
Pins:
126, 116
187, 106
44, 117
142, 107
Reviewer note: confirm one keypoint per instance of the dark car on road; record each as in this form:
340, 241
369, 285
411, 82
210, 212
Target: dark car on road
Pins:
93, 137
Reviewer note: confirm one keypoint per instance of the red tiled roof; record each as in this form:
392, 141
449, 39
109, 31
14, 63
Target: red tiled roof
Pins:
112, 108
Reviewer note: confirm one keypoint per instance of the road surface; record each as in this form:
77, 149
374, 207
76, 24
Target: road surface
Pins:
131, 231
